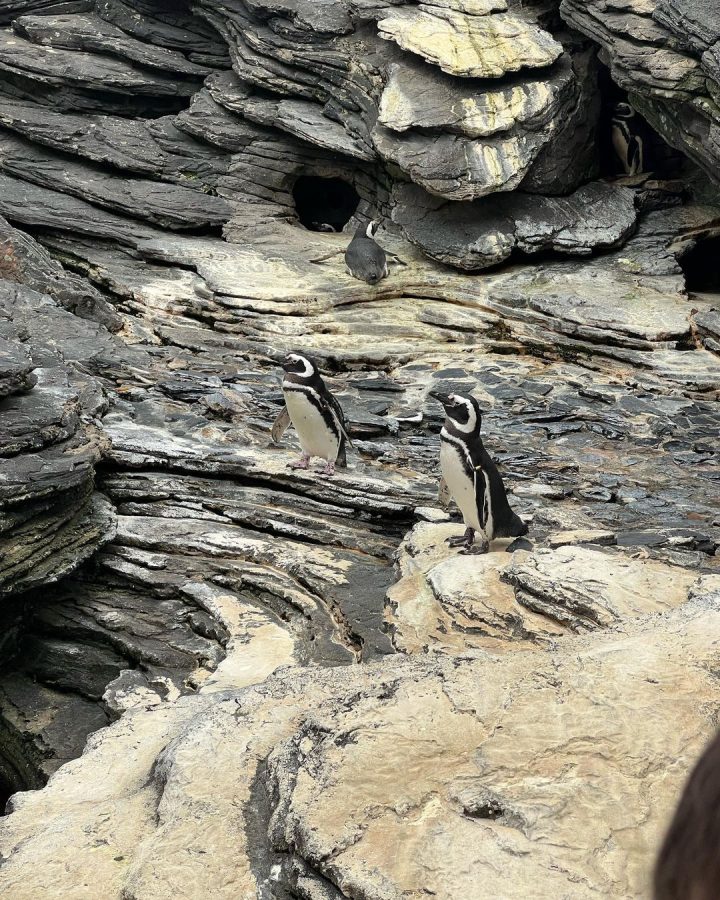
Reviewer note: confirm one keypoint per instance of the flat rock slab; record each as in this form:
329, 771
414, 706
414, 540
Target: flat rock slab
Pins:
474, 236
445, 602
47, 65
170, 205
320, 780
584, 589
172, 26
455, 168
486, 46
417, 95
24, 261
93, 34
304, 120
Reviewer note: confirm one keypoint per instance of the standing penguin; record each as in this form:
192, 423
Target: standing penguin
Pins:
472, 477
317, 416
627, 139
365, 258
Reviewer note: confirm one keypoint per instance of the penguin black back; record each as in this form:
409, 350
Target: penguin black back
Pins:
364, 257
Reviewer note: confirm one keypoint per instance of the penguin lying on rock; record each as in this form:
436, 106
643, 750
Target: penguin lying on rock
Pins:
365, 258
315, 414
472, 477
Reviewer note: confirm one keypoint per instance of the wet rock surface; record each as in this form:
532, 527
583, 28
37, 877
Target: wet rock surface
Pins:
285, 677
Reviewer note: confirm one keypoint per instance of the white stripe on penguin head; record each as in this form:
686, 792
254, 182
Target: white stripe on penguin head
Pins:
309, 367
468, 426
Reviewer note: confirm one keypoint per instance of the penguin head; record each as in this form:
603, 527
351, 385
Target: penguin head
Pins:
623, 111
300, 366
372, 228
463, 412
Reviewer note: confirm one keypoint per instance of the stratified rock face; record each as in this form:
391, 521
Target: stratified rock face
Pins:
665, 54
300, 675
423, 105
50, 520
474, 236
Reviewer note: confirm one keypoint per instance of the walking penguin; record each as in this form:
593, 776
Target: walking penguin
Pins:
314, 412
365, 258
472, 477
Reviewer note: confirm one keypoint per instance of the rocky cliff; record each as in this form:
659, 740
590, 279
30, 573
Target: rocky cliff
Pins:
243, 681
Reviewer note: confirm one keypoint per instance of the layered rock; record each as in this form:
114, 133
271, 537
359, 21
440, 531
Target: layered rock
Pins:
51, 519
475, 236
665, 55
238, 764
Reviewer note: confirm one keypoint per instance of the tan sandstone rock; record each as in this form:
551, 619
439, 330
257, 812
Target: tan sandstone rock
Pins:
471, 46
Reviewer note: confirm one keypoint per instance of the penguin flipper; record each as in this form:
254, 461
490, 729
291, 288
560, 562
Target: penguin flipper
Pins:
481, 500
443, 492
635, 156
280, 425
325, 256
341, 460
339, 418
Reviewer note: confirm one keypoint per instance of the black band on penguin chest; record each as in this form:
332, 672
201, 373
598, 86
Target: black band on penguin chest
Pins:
318, 402
462, 453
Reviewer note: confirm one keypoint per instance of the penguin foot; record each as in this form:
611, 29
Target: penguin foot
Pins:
475, 549
302, 463
329, 469
462, 540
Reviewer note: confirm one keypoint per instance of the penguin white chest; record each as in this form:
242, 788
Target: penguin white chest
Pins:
460, 485
316, 438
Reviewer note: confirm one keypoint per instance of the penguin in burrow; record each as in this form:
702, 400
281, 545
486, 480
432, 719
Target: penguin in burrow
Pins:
627, 139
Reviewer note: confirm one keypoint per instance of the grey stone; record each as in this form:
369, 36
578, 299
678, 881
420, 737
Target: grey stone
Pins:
474, 236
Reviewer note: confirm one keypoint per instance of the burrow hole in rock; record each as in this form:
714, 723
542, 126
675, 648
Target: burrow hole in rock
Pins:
18, 771
701, 265
627, 143
324, 204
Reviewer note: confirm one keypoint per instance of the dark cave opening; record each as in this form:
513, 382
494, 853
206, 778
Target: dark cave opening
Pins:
7, 789
701, 265
324, 204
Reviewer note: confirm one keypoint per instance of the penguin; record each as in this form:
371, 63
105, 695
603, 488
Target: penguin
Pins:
471, 477
316, 415
626, 139
365, 259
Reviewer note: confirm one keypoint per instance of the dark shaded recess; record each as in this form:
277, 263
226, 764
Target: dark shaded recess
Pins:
658, 157
76, 99
19, 767
324, 201
701, 265
11, 9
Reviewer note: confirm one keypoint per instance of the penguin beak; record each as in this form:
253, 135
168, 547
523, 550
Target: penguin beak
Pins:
441, 398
